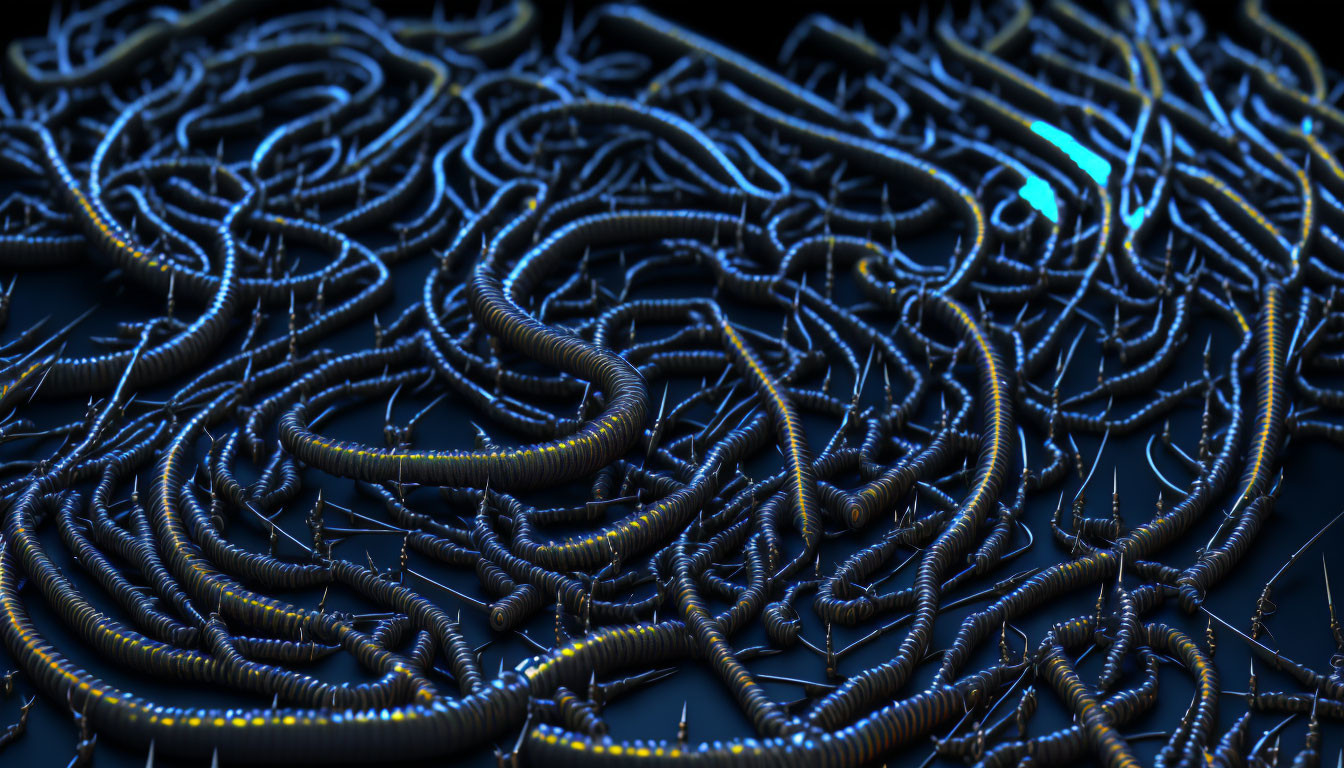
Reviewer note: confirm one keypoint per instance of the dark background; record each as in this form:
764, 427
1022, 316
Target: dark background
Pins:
758, 28
1310, 495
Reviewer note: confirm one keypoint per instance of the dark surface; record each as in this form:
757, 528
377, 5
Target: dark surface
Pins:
1309, 497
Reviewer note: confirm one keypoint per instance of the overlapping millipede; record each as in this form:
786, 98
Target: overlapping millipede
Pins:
681, 359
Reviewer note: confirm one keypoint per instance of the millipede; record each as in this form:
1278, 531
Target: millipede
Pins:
527, 384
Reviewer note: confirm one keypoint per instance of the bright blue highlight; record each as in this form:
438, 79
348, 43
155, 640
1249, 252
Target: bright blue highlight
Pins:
1040, 196
1093, 165
1135, 217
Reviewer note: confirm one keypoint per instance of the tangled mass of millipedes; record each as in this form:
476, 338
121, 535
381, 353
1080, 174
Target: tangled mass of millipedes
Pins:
680, 359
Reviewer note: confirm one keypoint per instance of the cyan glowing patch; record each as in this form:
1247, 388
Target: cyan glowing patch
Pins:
1038, 194
1306, 125
1093, 165
1135, 217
